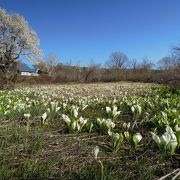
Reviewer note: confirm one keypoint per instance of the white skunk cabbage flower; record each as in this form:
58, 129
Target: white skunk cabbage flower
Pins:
100, 121
172, 145
108, 109
57, 109
84, 107
110, 132
21, 106
156, 138
115, 112
109, 123
74, 125
165, 138
168, 140
27, 115
114, 108
139, 108
82, 120
116, 136
27, 99
164, 115
126, 125
75, 112
64, 105
117, 140
132, 109
171, 133
80, 123
177, 128
96, 151
127, 135
137, 138
66, 118
136, 109
44, 116
169, 130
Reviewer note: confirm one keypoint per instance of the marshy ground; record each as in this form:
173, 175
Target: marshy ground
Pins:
37, 141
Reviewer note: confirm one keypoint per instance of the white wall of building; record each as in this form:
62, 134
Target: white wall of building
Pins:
28, 74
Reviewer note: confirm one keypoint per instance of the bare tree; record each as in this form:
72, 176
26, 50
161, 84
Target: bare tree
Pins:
146, 64
52, 61
176, 55
42, 66
133, 63
92, 72
78, 70
176, 50
48, 65
117, 60
16, 39
166, 63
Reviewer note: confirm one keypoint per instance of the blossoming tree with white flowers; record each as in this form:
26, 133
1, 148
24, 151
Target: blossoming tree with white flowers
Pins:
16, 39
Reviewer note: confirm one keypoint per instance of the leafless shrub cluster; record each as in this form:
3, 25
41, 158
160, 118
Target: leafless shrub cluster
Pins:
166, 71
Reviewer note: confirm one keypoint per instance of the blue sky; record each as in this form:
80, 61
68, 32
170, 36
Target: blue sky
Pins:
80, 30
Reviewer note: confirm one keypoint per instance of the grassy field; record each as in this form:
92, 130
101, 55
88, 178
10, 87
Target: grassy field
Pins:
90, 131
